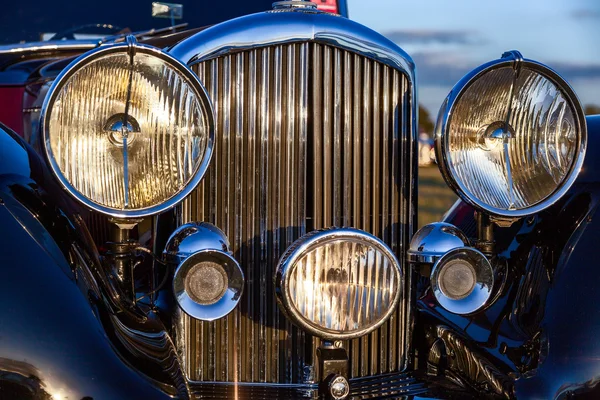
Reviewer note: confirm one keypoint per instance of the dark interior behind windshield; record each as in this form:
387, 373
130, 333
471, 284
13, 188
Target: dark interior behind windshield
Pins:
27, 20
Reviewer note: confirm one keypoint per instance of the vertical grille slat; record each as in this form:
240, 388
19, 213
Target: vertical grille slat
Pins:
276, 205
357, 178
235, 337
366, 188
225, 199
289, 178
252, 289
328, 188
317, 103
308, 136
263, 196
347, 154
299, 338
337, 138
375, 188
386, 332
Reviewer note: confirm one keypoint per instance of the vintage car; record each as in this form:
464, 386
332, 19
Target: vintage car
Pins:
229, 211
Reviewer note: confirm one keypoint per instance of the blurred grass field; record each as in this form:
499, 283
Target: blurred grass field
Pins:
435, 197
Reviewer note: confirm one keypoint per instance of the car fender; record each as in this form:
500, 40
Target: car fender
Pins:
63, 332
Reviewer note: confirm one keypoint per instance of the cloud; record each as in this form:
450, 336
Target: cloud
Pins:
573, 71
447, 68
586, 14
439, 71
430, 36
441, 68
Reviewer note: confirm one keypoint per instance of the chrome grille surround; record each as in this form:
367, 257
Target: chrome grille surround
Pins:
298, 96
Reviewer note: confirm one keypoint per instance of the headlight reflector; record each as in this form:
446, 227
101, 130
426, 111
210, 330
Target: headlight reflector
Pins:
511, 137
128, 130
339, 283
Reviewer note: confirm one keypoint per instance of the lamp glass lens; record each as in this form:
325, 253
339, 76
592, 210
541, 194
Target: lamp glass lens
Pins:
135, 161
343, 286
512, 160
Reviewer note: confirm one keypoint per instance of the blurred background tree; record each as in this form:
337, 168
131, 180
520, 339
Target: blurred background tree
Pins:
590, 109
434, 195
425, 123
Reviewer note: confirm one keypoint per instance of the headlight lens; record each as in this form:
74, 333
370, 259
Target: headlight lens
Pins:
128, 130
339, 283
511, 137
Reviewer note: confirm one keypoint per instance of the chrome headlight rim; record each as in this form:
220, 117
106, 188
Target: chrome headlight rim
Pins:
445, 118
316, 239
131, 47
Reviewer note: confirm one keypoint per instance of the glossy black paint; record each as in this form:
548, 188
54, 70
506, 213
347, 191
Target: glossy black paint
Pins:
63, 329
591, 167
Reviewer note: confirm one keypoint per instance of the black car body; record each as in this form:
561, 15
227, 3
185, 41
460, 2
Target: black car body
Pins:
314, 140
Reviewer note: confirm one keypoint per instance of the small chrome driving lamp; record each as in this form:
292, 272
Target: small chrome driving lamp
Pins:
462, 278
208, 282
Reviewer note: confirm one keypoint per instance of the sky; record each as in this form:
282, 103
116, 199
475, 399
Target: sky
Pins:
447, 39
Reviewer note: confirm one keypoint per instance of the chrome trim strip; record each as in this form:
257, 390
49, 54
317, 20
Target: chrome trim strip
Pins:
61, 45
83, 44
32, 109
294, 4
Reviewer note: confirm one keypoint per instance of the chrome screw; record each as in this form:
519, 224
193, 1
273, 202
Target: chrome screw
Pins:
339, 388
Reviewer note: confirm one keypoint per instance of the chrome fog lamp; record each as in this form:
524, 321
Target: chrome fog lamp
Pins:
339, 283
128, 130
208, 282
511, 137
462, 278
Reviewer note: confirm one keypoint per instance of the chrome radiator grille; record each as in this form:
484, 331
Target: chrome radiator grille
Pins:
308, 136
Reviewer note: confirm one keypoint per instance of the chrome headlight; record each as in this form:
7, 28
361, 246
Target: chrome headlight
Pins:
339, 283
511, 137
128, 130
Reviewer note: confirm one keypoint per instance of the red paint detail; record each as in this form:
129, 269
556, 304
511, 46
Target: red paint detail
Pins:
460, 213
11, 107
327, 5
